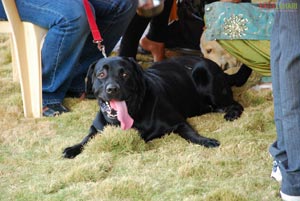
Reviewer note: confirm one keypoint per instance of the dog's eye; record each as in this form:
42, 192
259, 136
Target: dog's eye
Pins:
209, 51
102, 75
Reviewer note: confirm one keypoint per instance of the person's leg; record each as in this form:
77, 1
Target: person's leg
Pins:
130, 40
277, 149
67, 32
159, 24
289, 80
112, 19
2, 12
156, 36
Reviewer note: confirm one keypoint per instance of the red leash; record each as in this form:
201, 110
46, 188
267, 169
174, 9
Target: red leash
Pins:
97, 38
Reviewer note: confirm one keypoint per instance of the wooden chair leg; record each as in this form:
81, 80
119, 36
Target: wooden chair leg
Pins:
32, 87
27, 42
13, 61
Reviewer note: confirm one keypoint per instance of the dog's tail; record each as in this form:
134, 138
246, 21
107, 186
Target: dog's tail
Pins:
240, 78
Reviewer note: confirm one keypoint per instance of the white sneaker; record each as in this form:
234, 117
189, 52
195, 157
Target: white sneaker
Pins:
276, 174
262, 86
286, 197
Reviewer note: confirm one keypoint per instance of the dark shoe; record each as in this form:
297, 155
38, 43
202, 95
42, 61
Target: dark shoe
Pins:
90, 96
80, 95
53, 110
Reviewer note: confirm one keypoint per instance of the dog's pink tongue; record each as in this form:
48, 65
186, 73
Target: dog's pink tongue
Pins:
122, 113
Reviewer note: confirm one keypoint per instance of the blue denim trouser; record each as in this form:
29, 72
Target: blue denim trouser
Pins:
68, 49
285, 67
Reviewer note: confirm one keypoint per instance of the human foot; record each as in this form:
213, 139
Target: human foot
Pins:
157, 49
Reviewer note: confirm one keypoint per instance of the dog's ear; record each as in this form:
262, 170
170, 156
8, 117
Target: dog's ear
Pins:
138, 67
200, 75
131, 60
89, 81
140, 86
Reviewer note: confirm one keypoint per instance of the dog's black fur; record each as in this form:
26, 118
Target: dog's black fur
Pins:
161, 98
240, 78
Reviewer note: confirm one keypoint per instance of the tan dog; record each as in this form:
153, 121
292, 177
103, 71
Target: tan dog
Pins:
214, 51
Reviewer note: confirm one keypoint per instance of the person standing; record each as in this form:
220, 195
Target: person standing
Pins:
285, 69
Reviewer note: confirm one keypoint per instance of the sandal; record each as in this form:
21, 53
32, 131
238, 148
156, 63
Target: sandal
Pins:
53, 110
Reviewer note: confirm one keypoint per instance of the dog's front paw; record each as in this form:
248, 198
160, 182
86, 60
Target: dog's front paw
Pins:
232, 115
72, 152
234, 112
210, 143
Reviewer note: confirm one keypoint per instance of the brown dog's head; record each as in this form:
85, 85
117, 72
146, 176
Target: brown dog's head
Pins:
214, 51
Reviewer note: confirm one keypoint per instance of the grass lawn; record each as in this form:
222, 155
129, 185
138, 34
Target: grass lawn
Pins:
119, 166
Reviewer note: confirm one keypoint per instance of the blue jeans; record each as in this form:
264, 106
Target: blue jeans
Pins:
68, 49
285, 68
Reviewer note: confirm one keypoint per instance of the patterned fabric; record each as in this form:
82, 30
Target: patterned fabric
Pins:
253, 53
230, 21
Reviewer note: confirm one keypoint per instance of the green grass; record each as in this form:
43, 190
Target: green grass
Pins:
119, 166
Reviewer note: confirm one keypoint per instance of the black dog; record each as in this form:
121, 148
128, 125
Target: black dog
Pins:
160, 99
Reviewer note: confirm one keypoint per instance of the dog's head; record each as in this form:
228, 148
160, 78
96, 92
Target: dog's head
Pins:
211, 81
117, 83
214, 51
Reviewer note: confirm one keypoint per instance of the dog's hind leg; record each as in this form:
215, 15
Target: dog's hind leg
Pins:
188, 133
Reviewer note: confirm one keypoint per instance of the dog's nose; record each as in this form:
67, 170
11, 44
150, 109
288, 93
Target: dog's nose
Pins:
112, 88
